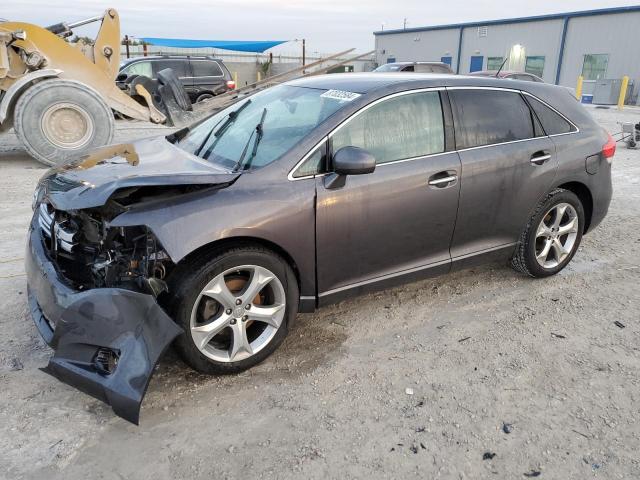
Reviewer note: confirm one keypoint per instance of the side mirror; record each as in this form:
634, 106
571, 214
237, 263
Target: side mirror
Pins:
353, 161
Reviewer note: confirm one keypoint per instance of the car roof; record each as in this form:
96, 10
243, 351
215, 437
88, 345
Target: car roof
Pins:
368, 82
416, 63
171, 57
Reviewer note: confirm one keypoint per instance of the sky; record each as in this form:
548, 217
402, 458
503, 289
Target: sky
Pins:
327, 25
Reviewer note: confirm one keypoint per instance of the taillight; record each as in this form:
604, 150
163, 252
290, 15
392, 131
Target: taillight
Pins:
231, 85
609, 149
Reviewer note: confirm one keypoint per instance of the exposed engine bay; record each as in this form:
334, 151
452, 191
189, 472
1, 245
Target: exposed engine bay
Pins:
91, 254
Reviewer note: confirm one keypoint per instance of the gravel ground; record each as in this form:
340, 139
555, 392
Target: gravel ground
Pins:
480, 374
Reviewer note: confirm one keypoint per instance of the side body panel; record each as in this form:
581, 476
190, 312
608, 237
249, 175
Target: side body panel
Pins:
500, 187
385, 223
210, 83
276, 211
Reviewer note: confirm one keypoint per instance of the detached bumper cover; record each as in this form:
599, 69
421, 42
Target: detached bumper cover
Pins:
82, 325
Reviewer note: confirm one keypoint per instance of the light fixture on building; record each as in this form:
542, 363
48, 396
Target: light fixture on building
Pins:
516, 58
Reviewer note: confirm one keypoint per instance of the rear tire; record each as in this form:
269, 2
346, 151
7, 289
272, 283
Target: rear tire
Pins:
204, 96
552, 235
216, 327
59, 120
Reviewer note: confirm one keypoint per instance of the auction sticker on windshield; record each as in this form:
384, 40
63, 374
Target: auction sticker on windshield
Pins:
340, 95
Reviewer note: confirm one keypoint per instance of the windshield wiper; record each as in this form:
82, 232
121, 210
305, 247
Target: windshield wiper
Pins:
227, 123
259, 132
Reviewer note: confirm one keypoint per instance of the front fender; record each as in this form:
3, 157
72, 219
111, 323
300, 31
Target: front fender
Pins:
11, 95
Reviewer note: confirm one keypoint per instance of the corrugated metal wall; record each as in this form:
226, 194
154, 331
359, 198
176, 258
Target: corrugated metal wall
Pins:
615, 34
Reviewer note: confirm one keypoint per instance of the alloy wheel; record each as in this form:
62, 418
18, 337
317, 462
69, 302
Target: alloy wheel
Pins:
556, 235
238, 313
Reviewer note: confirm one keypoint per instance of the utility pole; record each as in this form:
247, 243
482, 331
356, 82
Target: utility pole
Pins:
126, 45
304, 53
404, 24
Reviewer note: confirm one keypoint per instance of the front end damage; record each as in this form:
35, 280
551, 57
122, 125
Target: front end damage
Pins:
96, 289
93, 296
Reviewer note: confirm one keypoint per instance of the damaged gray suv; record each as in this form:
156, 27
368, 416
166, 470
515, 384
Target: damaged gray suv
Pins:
215, 237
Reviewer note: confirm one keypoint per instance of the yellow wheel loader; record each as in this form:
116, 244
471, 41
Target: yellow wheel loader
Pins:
60, 97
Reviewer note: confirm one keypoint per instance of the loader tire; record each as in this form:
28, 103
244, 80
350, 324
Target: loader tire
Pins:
59, 120
168, 78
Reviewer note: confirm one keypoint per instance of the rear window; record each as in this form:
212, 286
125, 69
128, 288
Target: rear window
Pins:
552, 123
205, 68
431, 69
487, 117
389, 67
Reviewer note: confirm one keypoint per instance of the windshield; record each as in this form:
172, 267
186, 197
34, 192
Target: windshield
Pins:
255, 132
389, 67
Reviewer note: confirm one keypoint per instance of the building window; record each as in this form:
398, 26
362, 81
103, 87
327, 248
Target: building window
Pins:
534, 65
494, 63
595, 66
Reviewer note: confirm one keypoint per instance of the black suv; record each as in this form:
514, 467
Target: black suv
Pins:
202, 77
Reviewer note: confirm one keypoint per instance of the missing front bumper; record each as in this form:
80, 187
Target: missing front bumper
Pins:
107, 341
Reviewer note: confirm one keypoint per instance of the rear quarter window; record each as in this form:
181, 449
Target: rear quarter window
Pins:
487, 117
206, 68
178, 66
552, 122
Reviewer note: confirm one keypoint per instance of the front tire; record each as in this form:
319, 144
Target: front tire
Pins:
552, 236
58, 120
235, 309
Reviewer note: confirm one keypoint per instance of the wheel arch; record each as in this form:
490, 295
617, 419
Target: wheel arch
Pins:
208, 249
11, 96
586, 198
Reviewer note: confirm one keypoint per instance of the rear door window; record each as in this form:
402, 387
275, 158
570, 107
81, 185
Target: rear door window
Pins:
487, 117
205, 68
552, 122
402, 127
179, 66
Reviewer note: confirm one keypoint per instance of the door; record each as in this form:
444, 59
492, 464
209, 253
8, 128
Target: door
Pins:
508, 165
400, 218
476, 63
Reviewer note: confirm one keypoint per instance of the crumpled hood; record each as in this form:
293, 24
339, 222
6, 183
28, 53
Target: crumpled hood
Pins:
90, 181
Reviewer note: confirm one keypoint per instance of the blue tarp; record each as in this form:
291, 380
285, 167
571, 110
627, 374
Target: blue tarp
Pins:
237, 45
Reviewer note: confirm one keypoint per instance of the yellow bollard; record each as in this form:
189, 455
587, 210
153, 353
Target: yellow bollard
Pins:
623, 92
259, 75
235, 79
579, 88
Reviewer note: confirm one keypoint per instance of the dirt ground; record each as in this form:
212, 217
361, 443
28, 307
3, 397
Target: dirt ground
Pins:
420, 381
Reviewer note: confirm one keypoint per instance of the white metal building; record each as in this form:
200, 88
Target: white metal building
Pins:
598, 44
